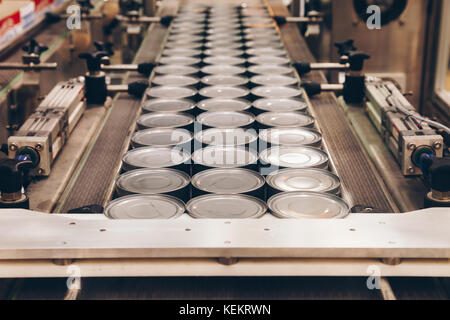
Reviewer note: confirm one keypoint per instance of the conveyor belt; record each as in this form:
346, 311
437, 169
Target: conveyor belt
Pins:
351, 161
94, 178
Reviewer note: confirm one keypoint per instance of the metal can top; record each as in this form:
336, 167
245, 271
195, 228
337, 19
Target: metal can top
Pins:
310, 180
175, 80
223, 52
224, 92
184, 44
277, 92
225, 157
216, 206
266, 51
224, 80
279, 80
161, 137
223, 69
172, 69
291, 137
223, 36
186, 52
295, 157
155, 158
308, 205
183, 38
145, 207
285, 119
226, 119
226, 137
228, 181
280, 105
270, 69
171, 92
270, 60
213, 60
223, 31
168, 105
179, 60
219, 104
152, 181
223, 44
165, 120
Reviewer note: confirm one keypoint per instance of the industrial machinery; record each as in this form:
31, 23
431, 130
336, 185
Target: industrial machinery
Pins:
280, 181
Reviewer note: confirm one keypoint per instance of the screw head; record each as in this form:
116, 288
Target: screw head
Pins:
411, 146
13, 147
40, 171
38, 147
411, 170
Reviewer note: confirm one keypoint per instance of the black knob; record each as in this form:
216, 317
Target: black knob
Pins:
356, 60
51, 17
280, 20
13, 173
105, 46
345, 47
85, 5
166, 20
312, 88
131, 5
93, 59
302, 67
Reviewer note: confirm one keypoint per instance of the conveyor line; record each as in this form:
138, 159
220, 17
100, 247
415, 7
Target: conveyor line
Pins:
91, 184
352, 164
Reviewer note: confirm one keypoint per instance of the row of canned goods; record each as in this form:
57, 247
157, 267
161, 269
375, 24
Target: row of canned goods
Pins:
224, 132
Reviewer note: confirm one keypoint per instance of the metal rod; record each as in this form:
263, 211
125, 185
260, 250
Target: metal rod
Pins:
332, 87
117, 88
120, 67
329, 66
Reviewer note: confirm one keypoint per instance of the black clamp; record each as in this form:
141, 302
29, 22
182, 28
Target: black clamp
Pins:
13, 177
33, 52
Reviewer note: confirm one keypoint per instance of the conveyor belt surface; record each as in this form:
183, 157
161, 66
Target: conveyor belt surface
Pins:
351, 161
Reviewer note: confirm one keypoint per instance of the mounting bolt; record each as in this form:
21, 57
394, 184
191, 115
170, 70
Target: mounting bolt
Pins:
411, 146
38, 147
437, 145
411, 170
13, 147
40, 171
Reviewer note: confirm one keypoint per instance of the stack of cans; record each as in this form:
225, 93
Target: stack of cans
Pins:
225, 132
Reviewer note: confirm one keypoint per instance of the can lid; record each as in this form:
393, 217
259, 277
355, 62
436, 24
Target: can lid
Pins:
270, 60
165, 120
155, 157
312, 180
285, 119
226, 119
223, 51
291, 137
223, 69
224, 92
228, 181
224, 157
172, 69
179, 60
226, 31
224, 80
183, 38
175, 80
277, 92
295, 157
216, 206
186, 52
279, 52
223, 60
161, 137
223, 36
264, 44
268, 80
152, 181
219, 104
168, 105
226, 137
280, 105
145, 207
170, 92
308, 205
184, 44
223, 44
